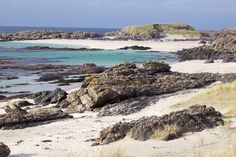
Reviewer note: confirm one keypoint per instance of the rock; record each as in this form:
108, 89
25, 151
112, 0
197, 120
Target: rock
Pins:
22, 103
209, 61
153, 67
50, 77
2, 97
47, 97
37, 35
8, 77
63, 104
203, 42
46, 48
15, 110
16, 117
4, 150
194, 119
126, 107
51, 72
229, 58
135, 47
89, 68
222, 47
126, 81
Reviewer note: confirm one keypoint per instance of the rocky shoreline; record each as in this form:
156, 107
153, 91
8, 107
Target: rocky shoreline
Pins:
223, 48
124, 89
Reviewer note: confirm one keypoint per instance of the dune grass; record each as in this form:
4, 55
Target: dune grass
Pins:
222, 97
229, 151
169, 130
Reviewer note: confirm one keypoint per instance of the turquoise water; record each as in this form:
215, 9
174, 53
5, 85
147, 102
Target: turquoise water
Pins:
103, 58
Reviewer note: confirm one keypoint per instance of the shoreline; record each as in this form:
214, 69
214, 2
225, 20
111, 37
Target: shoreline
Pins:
165, 46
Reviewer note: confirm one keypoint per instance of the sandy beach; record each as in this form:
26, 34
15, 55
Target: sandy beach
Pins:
170, 46
68, 137
199, 66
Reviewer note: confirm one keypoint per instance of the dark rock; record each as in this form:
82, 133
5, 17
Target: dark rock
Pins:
50, 77
63, 104
209, 61
126, 107
8, 77
46, 48
22, 103
194, 119
4, 150
229, 58
47, 97
135, 47
37, 35
16, 117
2, 97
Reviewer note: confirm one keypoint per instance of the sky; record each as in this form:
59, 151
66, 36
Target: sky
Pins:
202, 14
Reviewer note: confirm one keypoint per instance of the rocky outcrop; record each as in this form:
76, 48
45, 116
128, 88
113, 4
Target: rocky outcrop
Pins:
17, 117
4, 150
194, 119
223, 47
50, 97
37, 35
88, 68
225, 40
126, 81
206, 53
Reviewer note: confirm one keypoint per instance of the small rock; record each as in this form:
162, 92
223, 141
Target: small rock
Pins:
4, 150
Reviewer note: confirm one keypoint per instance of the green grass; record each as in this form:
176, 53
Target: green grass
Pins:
142, 30
222, 97
180, 29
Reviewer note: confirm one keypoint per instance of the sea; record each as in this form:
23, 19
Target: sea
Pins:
14, 29
26, 82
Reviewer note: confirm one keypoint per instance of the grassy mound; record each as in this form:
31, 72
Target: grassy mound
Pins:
146, 30
221, 96
157, 29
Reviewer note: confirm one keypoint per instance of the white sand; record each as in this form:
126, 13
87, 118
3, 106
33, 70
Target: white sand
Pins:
198, 66
112, 45
68, 136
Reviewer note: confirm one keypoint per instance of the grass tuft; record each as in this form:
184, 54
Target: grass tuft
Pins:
221, 96
169, 132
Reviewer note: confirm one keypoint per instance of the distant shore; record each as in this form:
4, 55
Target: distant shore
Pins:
169, 46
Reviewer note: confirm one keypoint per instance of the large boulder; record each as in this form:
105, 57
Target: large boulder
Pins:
50, 97
126, 81
167, 127
4, 150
